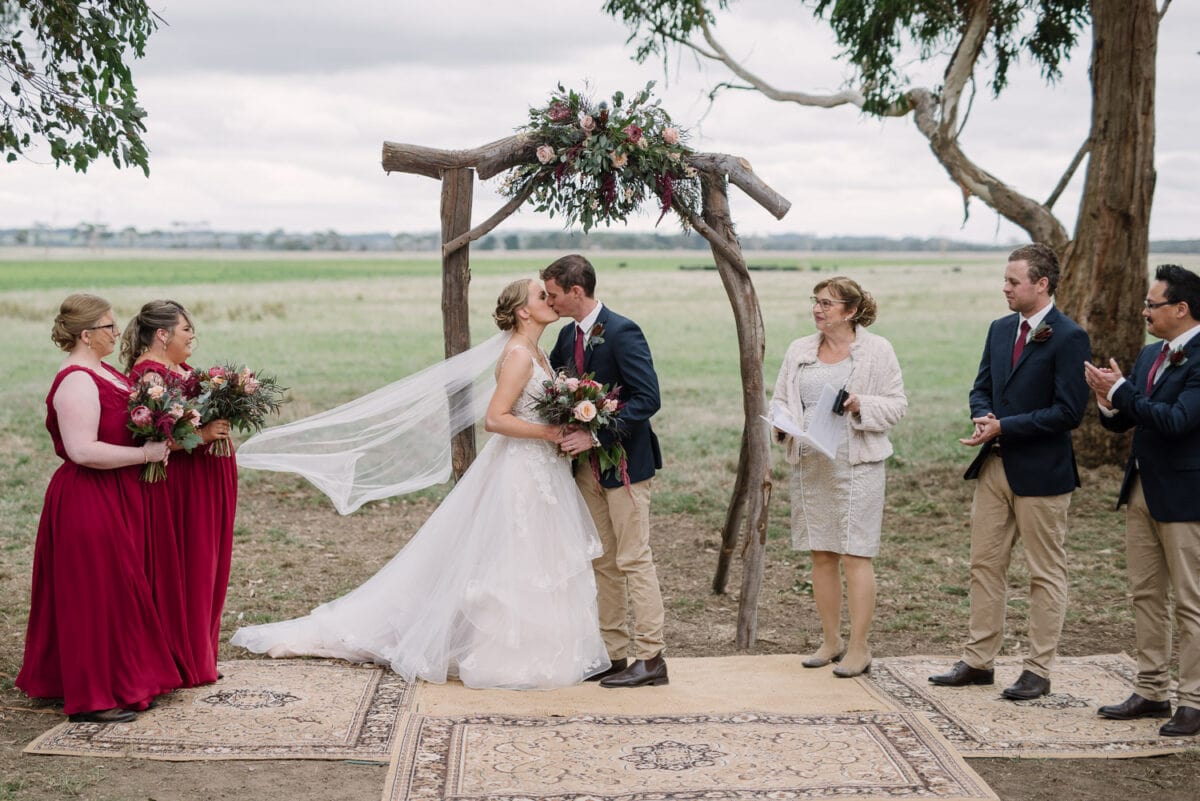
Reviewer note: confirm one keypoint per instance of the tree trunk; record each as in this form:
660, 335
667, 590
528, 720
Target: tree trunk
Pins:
1105, 267
755, 488
457, 189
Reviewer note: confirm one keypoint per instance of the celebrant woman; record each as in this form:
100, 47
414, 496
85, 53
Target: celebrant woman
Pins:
496, 588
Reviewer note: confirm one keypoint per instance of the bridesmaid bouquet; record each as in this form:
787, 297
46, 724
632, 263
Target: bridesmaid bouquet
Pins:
234, 393
587, 404
160, 412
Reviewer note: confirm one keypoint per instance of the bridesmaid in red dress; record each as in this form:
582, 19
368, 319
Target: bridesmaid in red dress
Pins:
190, 563
94, 638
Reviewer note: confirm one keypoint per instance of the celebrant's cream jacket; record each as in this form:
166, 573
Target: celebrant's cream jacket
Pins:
874, 377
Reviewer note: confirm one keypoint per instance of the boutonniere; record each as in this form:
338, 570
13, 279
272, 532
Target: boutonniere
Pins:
1041, 333
595, 336
1176, 357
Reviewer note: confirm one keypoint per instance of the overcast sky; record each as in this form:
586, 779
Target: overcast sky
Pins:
265, 116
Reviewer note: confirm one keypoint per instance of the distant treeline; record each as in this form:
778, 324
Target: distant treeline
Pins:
184, 237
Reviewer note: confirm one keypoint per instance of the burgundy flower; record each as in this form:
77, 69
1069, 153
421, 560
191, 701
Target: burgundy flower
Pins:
608, 188
1042, 333
633, 132
1176, 357
664, 187
558, 112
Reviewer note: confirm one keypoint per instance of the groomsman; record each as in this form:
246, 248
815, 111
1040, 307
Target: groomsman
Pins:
1027, 398
1161, 401
602, 342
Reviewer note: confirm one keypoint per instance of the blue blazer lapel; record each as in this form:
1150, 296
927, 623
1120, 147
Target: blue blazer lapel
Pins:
1008, 335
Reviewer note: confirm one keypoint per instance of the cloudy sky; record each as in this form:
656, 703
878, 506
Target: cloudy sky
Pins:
266, 116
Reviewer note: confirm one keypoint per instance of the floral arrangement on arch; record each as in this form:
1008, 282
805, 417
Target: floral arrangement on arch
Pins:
598, 163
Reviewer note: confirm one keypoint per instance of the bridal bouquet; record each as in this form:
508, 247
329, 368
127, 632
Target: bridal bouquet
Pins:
587, 404
234, 393
160, 412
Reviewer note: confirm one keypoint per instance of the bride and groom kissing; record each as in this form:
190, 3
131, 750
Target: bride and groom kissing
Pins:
525, 575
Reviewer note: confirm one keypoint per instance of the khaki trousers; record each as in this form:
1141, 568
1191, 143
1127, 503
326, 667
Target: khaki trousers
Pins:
625, 576
1162, 556
998, 519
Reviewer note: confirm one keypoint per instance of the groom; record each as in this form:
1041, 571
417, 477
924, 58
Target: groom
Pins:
615, 350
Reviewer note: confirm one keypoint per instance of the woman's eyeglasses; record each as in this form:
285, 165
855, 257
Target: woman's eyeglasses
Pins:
824, 303
113, 328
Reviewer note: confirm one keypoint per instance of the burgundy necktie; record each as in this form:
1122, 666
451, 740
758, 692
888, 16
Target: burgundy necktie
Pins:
1019, 345
1162, 356
579, 350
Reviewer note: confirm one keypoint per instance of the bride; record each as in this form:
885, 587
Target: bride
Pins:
496, 588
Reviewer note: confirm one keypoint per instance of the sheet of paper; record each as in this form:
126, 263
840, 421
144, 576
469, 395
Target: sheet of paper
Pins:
824, 427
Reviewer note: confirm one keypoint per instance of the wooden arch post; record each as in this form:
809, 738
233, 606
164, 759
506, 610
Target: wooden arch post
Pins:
752, 487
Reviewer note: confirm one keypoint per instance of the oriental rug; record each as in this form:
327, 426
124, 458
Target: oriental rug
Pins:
978, 722
715, 757
261, 709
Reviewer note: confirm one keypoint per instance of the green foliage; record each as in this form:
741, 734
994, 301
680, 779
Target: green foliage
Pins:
597, 163
875, 34
65, 80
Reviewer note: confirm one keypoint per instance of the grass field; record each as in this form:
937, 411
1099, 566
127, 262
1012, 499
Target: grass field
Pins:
334, 328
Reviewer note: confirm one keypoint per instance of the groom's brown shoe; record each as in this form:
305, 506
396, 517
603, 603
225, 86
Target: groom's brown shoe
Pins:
642, 673
617, 666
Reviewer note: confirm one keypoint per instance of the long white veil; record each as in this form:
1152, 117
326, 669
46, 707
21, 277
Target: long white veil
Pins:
390, 442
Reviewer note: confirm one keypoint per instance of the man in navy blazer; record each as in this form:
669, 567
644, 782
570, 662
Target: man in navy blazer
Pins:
1160, 401
1029, 394
613, 348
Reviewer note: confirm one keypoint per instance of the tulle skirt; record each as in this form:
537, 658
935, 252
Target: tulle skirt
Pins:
495, 589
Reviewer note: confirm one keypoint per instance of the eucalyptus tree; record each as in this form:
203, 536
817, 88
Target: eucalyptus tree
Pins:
65, 80
1105, 258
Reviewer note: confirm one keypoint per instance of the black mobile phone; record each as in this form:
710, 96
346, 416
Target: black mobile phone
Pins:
839, 403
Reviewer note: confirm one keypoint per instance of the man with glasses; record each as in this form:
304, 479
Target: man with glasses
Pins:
1161, 401
1028, 396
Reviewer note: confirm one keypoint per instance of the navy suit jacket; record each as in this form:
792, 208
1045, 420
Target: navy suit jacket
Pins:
1038, 402
623, 359
1166, 440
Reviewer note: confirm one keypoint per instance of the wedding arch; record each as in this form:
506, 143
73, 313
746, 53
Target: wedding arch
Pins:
595, 164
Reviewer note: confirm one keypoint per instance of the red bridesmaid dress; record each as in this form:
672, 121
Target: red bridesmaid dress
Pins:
94, 637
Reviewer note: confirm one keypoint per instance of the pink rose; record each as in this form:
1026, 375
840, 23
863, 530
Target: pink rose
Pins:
587, 123
633, 132
141, 416
545, 154
250, 386
156, 391
619, 160
585, 411
611, 404
176, 410
194, 417
671, 136
572, 384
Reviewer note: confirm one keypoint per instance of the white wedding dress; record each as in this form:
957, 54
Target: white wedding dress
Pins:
496, 588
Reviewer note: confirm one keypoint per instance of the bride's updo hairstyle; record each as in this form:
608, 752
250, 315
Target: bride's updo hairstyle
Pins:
77, 313
513, 298
856, 298
139, 334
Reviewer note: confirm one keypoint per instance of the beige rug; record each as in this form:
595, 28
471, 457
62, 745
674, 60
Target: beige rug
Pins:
977, 722
697, 738
272, 709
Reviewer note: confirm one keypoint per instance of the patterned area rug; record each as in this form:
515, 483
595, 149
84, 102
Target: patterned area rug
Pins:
863, 755
273, 709
977, 722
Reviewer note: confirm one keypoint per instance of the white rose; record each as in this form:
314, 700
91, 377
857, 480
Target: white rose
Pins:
545, 154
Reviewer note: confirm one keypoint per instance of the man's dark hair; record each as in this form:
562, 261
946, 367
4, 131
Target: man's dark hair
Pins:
572, 270
1042, 261
1183, 286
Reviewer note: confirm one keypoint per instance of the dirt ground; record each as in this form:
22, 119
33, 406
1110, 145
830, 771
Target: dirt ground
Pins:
293, 550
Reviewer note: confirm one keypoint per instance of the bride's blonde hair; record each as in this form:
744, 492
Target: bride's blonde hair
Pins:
513, 298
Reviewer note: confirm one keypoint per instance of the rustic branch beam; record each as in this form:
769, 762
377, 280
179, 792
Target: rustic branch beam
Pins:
742, 175
487, 225
488, 160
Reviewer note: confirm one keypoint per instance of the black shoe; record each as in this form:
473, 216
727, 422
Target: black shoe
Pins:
1184, 723
963, 674
1135, 706
1028, 686
617, 666
114, 715
642, 673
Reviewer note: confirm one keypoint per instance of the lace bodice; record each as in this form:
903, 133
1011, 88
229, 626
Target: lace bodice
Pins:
524, 408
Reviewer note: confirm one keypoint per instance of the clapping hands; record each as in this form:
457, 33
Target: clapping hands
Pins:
1102, 379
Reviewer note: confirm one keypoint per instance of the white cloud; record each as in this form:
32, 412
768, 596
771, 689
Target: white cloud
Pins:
265, 117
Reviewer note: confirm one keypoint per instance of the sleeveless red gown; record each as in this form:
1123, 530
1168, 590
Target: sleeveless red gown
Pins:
94, 637
201, 494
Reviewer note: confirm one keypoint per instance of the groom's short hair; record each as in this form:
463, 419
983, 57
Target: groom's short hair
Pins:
572, 270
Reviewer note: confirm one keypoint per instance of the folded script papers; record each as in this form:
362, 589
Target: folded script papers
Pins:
825, 427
